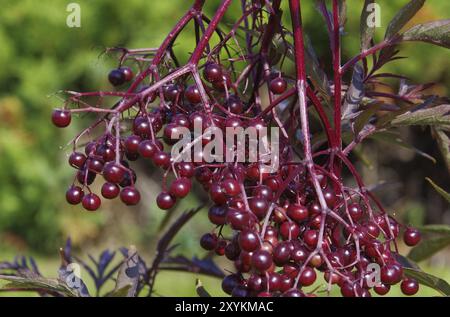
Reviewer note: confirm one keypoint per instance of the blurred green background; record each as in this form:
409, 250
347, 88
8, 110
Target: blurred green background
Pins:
40, 55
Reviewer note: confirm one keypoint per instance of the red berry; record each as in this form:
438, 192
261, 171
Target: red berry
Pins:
289, 230
311, 237
113, 172
209, 241
130, 196
185, 169
193, 94
165, 200
147, 149
61, 118
127, 73
259, 207
261, 260
110, 190
212, 72
77, 160
411, 236
234, 104
132, 143
308, 276
278, 85
217, 214
381, 289
116, 77
180, 187
297, 212
409, 286
161, 159
231, 187
91, 202
248, 240
74, 195
355, 211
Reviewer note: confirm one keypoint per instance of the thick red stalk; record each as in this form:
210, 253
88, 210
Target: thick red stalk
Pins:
337, 73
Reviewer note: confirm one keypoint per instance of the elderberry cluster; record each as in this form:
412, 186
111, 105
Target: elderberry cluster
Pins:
281, 228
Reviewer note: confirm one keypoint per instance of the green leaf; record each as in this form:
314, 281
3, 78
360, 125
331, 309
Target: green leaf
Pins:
436, 32
427, 248
443, 142
366, 32
37, 283
120, 292
402, 17
428, 280
436, 228
441, 191
200, 289
439, 115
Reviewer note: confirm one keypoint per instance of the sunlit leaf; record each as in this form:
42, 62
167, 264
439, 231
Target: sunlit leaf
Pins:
436, 32
402, 17
435, 228
429, 280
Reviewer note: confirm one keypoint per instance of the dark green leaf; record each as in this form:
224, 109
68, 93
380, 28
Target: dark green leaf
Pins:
436, 32
427, 248
406, 263
201, 291
441, 191
429, 280
402, 17
443, 142
366, 32
437, 228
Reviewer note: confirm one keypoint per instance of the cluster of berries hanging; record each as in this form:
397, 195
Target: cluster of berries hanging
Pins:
287, 224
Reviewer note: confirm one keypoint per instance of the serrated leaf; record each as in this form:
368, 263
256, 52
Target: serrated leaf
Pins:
366, 32
436, 32
440, 190
402, 17
443, 141
427, 248
129, 273
429, 280
37, 284
439, 115
201, 291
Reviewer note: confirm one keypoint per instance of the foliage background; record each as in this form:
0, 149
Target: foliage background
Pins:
40, 55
